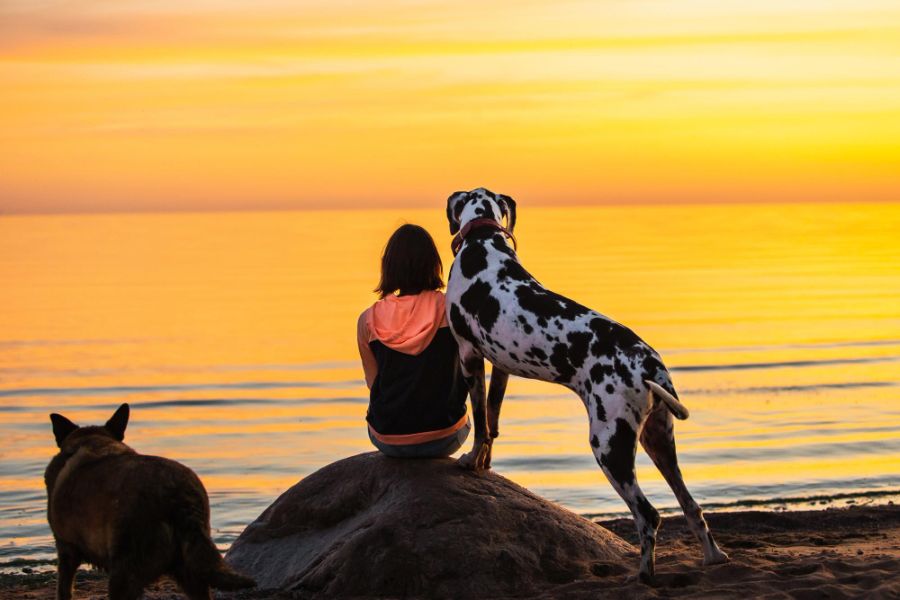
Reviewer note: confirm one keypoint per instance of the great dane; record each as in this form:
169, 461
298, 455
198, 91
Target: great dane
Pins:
499, 312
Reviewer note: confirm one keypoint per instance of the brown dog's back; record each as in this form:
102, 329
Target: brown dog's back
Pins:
117, 501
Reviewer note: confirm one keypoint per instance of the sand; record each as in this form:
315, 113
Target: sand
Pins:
836, 553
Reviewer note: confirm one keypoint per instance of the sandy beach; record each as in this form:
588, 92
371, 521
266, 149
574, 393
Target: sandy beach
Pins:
836, 553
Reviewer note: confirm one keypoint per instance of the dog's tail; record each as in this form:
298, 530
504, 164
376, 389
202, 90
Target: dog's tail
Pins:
675, 407
204, 562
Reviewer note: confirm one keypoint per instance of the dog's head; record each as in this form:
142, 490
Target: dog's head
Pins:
480, 203
70, 434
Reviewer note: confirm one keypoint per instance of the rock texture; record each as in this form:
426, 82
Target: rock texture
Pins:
375, 526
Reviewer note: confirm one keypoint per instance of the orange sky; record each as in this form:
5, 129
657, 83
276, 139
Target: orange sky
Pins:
220, 104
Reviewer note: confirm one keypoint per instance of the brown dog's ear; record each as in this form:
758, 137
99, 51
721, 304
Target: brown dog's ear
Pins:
118, 422
62, 427
451, 211
509, 207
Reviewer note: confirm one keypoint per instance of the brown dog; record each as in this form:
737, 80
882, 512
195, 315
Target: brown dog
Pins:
138, 517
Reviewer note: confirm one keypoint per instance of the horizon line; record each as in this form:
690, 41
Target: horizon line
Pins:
264, 209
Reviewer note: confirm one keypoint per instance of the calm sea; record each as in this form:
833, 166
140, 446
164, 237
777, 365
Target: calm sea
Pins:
233, 338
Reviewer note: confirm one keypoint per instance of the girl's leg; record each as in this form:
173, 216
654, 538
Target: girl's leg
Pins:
434, 449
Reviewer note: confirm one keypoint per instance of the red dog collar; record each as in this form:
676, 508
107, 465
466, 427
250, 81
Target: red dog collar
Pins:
460, 237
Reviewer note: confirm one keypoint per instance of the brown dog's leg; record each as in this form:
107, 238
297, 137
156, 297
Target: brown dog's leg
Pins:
195, 589
69, 561
481, 450
124, 585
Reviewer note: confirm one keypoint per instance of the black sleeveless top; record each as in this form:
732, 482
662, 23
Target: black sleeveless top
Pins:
417, 393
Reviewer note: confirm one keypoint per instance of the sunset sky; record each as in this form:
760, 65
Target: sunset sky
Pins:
112, 105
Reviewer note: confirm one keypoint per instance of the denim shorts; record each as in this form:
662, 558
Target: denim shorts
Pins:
434, 449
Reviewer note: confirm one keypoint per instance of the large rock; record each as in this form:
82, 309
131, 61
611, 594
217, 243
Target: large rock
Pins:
375, 526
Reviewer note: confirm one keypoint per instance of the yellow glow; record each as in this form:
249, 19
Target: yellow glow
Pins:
219, 104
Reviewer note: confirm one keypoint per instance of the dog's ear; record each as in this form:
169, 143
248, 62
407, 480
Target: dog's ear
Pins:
508, 205
451, 210
118, 422
62, 427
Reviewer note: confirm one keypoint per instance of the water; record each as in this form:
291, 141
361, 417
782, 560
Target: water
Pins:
232, 336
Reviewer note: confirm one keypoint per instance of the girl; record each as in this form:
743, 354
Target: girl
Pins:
417, 397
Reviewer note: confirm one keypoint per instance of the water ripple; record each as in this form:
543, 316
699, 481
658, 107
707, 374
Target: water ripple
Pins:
785, 363
125, 389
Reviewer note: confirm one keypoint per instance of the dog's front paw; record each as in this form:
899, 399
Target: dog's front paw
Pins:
486, 459
468, 461
478, 459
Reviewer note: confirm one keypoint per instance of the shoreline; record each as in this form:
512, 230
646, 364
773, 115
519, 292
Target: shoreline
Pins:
855, 499
837, 553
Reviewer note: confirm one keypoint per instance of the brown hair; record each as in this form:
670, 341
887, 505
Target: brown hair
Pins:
410, 263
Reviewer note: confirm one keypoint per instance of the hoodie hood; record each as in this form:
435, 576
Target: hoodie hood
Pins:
406, 323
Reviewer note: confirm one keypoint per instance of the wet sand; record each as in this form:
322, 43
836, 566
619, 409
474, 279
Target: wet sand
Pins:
836, 553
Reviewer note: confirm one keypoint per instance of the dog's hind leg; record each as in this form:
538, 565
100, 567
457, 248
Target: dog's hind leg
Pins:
614, 444
658, 439
479, 457
192, 578
141, 552
67, 565
200, 566
125, 585
194, 588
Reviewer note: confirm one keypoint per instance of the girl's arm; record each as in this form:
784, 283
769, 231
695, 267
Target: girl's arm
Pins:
370, 367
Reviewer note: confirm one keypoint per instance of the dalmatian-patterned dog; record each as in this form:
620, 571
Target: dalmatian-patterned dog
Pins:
499, 312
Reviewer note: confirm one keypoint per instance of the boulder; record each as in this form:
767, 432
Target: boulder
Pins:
370, 525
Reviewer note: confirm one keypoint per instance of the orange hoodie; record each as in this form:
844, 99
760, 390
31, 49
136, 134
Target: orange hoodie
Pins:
406, 324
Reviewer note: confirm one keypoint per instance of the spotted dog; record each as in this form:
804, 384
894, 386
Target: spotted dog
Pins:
499, 312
